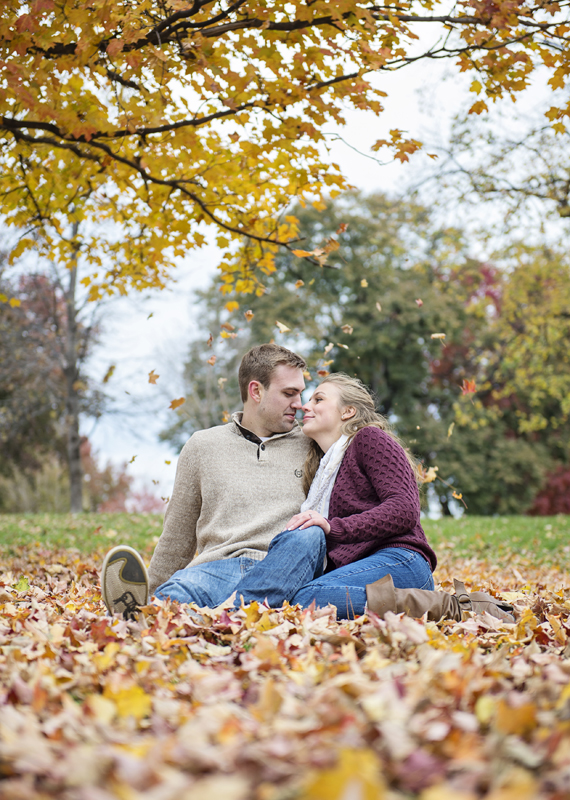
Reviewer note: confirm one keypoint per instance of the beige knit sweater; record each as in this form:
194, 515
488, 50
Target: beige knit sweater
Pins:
232, 494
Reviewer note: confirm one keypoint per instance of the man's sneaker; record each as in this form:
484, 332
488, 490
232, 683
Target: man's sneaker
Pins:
124, 581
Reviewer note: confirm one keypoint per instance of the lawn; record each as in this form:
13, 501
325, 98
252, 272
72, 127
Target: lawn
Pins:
542, 539
287, 704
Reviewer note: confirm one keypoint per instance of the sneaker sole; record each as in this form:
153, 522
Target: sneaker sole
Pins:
129, 574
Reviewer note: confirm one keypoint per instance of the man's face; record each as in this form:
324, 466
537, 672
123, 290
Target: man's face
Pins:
281, 400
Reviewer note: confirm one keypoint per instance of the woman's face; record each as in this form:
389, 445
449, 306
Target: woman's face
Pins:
322, 414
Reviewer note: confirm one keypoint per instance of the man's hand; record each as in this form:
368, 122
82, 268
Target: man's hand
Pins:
307, 518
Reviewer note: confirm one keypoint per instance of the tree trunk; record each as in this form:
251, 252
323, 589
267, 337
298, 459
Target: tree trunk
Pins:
73, 387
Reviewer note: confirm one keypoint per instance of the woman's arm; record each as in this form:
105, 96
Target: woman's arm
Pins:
383, 461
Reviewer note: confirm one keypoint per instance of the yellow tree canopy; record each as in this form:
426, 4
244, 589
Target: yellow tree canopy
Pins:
147, 120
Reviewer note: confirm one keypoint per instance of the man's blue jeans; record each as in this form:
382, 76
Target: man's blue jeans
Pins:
293, 570
293, 559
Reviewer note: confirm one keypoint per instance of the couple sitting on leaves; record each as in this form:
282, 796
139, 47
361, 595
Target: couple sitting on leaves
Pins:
356, 542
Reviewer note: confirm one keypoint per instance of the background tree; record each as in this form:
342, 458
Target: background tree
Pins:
45, 341
157, 117
398, 278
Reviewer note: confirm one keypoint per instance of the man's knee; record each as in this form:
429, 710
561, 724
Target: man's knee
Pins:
311, 540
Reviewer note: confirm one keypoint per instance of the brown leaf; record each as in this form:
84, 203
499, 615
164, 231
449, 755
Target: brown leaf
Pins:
181, 400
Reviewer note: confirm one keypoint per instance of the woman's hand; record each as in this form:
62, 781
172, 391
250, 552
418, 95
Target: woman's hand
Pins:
307, 518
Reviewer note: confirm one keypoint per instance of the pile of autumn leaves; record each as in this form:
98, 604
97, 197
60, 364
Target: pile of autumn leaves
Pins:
278, 705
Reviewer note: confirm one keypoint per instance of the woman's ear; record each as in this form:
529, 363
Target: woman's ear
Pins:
348, 412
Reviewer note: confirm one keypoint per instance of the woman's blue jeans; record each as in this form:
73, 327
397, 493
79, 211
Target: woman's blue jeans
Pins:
293, 570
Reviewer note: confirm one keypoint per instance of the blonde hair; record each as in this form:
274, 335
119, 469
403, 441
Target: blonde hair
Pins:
352, 392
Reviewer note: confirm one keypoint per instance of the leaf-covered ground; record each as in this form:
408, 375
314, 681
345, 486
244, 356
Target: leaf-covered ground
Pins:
278, 705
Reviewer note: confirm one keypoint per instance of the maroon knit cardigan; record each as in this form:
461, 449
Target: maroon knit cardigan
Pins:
375, 502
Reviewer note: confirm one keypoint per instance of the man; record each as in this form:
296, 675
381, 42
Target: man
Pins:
236, 487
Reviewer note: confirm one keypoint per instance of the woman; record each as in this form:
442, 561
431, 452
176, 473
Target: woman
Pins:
363, 501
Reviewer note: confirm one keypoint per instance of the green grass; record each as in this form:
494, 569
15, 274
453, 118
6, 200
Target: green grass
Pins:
544, 540
86, 532
541, 539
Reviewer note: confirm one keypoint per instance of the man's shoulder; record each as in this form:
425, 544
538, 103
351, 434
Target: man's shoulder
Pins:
208, 436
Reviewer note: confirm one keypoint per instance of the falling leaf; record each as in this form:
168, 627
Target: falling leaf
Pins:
155, 482
328, 348
226, 416
150, 315
221, 382
419, 302
299, 283
231, 306
438, 336
109, 373
210, 341
450, 429
153, 377
282, 328
249, 315
307, 375
468, 387
364, 283
226, 335
344, 346
341, 228
378, 306
165, 499
181, 400
211, 361
327, 363
227, 326
168, 462
322, 373
427, 476
347, 329
132, 459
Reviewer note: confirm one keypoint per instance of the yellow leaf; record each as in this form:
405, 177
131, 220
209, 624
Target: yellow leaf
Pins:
364, 283
131, 702
14, 302
175, 403
132, 459
450, 429
282, 328
248, 315
302, 253
231, 306
357, 774
299, 283
516, 720
153, 377
476, 87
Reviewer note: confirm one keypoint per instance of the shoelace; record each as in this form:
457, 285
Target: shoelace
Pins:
131, 605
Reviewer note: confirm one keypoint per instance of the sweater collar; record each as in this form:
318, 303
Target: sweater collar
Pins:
237, 417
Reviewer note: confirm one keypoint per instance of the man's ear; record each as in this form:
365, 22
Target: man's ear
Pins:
255, 391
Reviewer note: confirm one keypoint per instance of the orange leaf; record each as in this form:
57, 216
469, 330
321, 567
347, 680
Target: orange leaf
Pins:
248, 315
153, 377
211, 361
175, 403
468, 387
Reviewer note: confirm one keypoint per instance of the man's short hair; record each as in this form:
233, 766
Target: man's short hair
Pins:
259, 364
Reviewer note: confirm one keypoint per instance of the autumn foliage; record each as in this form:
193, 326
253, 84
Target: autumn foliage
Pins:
259, 704
145, 120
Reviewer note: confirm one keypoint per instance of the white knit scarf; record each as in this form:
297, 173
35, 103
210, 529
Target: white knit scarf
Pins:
320, 492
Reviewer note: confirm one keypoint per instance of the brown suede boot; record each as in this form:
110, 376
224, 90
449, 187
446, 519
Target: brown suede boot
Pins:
383, 596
